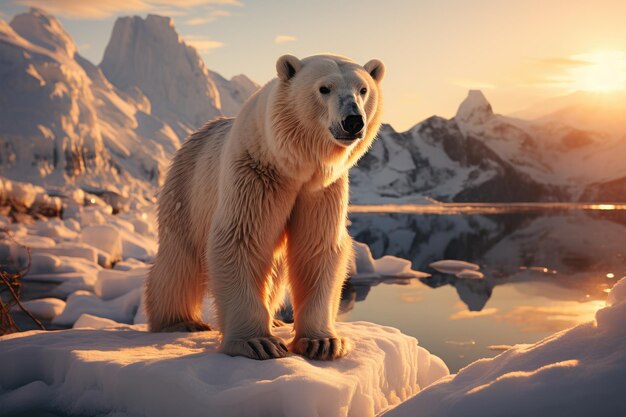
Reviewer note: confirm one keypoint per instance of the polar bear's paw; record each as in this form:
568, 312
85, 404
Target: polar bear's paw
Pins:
325, 349
187, 326
259, 348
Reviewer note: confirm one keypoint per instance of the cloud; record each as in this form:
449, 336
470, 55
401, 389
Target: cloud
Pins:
211, 17
83, 9
562, 62
202, 44
284, 38
190, 3
80, 9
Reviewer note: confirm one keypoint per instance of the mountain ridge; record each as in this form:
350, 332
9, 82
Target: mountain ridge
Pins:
115, 126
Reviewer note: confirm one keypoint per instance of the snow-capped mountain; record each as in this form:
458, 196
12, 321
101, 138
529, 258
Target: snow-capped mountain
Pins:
482, 156
116, 125
150, 55
62, 120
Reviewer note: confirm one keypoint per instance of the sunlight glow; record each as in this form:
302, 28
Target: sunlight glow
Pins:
603, 207
603, 72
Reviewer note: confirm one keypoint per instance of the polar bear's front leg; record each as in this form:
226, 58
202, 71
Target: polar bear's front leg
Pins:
248, 227
318, 249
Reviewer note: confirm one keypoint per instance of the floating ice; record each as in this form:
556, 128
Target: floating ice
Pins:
450, 266
469, 274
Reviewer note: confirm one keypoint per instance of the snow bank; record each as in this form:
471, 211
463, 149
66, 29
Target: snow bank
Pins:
129, 372
576, 372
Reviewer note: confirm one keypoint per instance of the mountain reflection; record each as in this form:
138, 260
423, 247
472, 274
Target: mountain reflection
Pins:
575, 251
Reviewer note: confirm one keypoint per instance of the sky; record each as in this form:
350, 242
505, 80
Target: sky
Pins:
517, 52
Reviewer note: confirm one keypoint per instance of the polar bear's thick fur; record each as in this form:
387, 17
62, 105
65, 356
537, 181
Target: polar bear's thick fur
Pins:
256, 203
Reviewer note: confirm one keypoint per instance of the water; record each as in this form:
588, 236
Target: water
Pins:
547, 268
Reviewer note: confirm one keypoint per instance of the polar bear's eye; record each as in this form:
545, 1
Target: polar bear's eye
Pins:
363, 91
324, 90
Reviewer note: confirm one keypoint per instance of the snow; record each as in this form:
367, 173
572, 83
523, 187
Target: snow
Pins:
44, 308
121, 309
577, 372
475, 108
105, 238
93, 370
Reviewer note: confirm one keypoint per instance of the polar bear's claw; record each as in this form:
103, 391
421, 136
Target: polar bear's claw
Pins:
259, 348
325, 349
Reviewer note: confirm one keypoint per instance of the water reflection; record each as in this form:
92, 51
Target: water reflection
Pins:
544, 271
576, 249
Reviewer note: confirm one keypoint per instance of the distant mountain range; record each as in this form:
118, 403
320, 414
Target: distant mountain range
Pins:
482, 156
114, 126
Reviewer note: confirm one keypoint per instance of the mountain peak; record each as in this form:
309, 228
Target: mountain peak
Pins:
474, 109
42, 29
150, 55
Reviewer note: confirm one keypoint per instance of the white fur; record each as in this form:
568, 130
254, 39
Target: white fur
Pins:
259, 202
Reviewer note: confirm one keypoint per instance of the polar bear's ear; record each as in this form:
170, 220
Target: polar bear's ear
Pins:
287, 66
376, 69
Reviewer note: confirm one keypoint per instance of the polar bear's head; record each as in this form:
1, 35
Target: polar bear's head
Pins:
333, 96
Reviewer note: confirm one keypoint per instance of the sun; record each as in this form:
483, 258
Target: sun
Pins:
601, 72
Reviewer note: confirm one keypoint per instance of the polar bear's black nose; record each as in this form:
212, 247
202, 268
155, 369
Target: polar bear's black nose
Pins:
353, 124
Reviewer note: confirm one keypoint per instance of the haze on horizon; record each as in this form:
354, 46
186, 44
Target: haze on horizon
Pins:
518, 52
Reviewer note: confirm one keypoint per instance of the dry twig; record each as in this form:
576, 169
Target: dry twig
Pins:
11, 282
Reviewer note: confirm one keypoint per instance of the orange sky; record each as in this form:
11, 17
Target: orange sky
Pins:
517, 52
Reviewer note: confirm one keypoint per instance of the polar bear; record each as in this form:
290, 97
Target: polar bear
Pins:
256, 203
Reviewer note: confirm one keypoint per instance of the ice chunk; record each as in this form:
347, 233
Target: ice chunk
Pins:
44, 308
75, 250
396, 267
469, 274
86, 371
112, 283
88, 321
106, 238
362, 265
450, 266
121, 309
43, 263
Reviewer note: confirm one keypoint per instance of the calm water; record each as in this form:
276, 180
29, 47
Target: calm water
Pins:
547, 267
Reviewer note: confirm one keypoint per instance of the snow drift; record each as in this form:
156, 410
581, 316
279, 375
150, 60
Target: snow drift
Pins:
576, 372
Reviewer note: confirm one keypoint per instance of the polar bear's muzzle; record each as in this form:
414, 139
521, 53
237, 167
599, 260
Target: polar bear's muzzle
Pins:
349, 130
